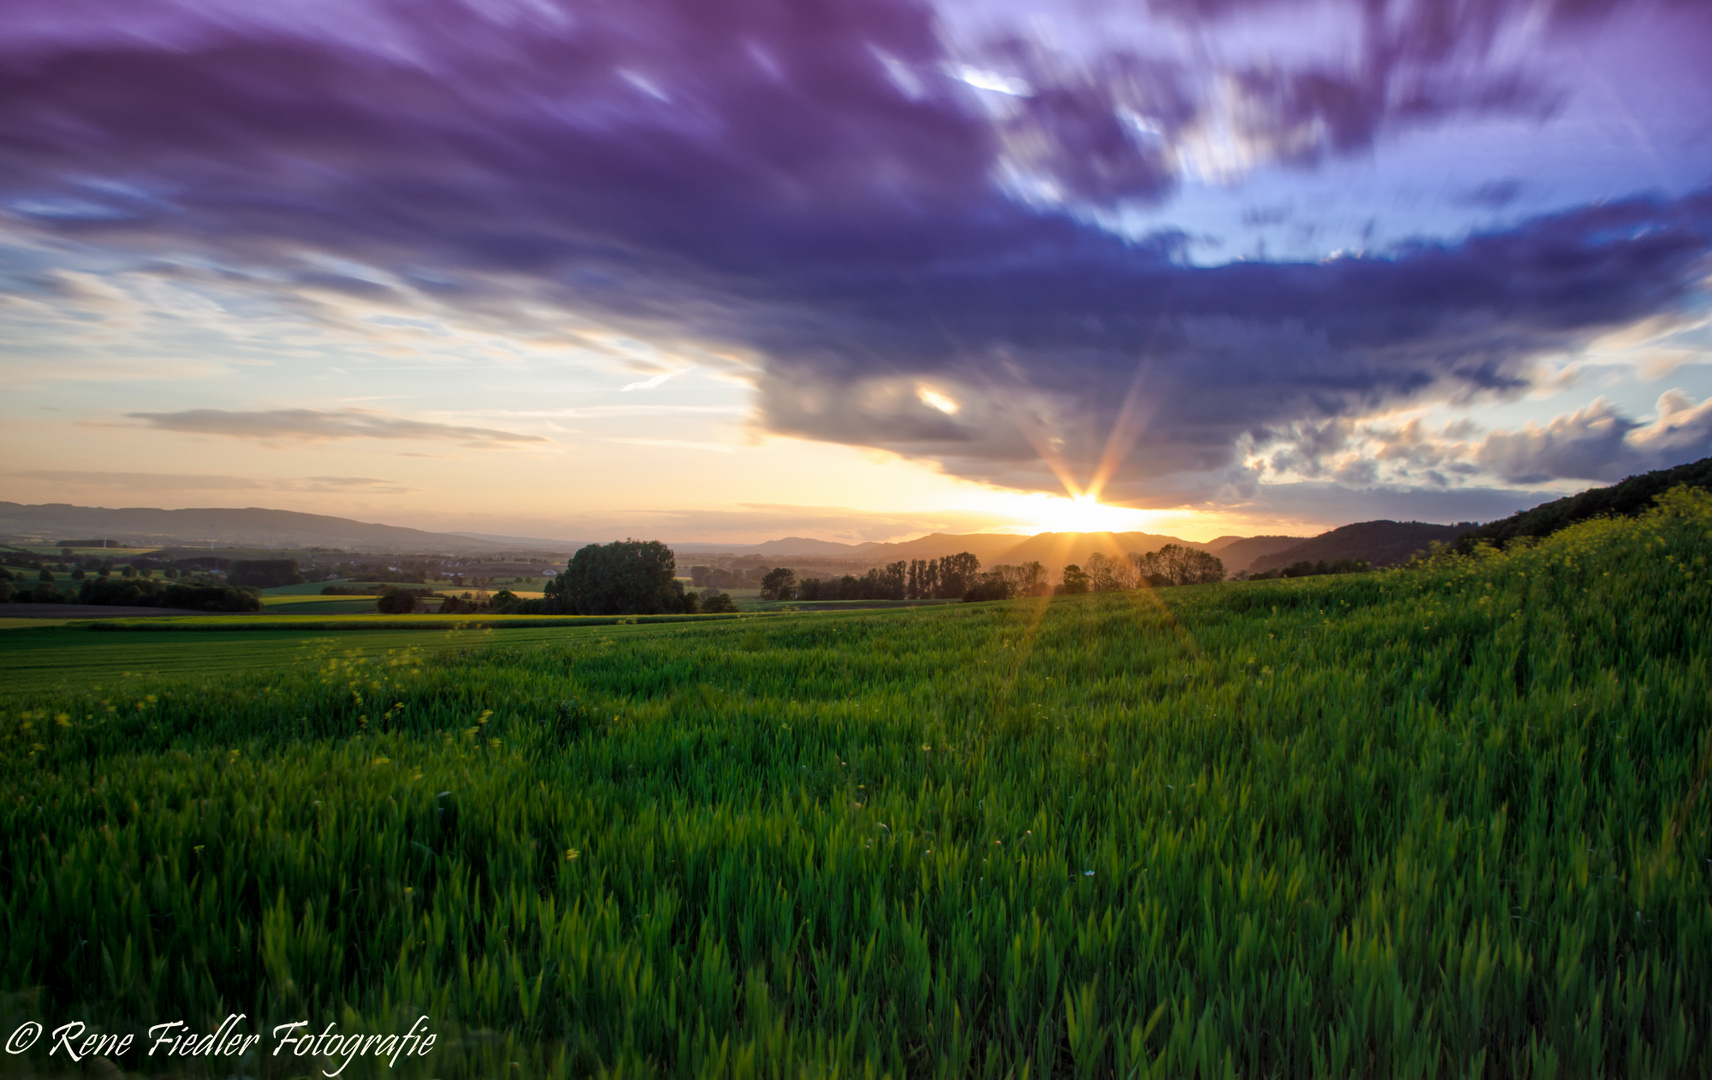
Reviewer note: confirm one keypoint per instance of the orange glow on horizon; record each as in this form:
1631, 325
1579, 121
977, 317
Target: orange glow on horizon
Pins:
1082, 513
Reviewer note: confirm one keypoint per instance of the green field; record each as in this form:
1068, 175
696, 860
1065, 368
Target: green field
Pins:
66, 653
1448, 821
115, 552
313, 588
317, 605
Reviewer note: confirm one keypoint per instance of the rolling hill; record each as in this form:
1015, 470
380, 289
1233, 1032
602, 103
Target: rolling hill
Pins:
1380, 543
1239, 553
1626, 498
229, 527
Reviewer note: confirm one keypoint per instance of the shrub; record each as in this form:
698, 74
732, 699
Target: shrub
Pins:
396, 602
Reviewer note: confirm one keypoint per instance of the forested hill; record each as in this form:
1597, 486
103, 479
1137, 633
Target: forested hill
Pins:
1240, 553
229, 526
1625, 498
1380, 543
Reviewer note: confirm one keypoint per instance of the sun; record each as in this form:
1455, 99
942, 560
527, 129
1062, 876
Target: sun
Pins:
1086, 514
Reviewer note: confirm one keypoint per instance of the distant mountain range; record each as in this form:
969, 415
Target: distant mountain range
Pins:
260, 528
1239, 553
251, 527
1380, 543
254, 528
1053, 549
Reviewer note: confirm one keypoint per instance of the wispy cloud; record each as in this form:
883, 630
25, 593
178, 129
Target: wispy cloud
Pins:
317, 425
649, 384
597, 412
176, 482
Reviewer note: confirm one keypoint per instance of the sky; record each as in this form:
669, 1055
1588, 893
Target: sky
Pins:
731, 270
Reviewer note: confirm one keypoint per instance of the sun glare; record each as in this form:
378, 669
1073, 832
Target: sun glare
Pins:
1085, 513
934, 399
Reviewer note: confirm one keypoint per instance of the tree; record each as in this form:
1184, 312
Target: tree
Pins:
956, 574
779, 583
396, 602
47, 593
895, 578
466, 604
625, 577
1031, 580
995, 584
1075, 580
1109, 575
714, 602
1176, 564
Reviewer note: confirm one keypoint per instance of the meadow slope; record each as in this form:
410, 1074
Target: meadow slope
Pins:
1447, 821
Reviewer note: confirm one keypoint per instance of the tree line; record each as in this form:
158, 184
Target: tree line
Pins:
915, 579
639, 577
130, 587
959, 577
718, 577
1313, 568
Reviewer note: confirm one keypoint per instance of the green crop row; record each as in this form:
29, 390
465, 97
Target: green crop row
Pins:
1446, 821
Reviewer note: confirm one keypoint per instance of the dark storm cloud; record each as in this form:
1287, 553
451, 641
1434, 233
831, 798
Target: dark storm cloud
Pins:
809, 180
1218, 355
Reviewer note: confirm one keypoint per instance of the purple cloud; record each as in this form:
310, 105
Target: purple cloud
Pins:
1218, 354
816, 182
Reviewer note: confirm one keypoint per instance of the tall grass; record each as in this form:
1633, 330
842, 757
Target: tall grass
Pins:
1448, 821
